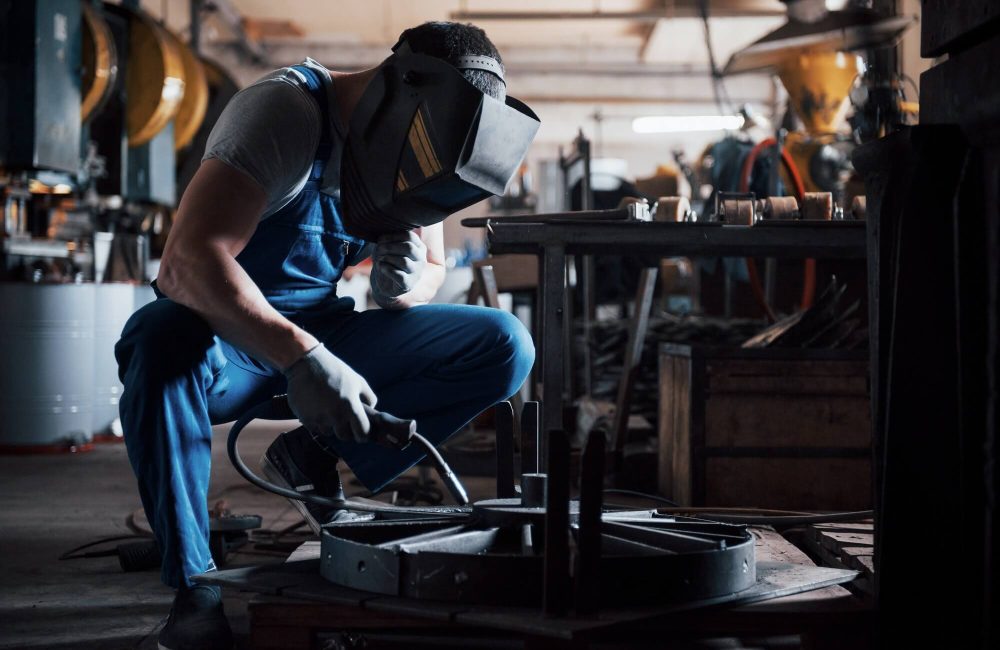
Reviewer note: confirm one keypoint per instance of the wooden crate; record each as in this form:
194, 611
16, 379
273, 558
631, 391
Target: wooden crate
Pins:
775, 428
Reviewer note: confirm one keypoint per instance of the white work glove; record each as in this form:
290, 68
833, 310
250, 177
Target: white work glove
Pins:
397, 264
328, 397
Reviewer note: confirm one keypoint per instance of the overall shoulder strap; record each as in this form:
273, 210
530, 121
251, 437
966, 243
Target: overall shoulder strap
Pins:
317, 89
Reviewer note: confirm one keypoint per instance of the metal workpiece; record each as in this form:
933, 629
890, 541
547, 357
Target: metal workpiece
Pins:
541, 548
461, 558
505, 431
588, 557
557, 587
529, 438
533, 490
553, 320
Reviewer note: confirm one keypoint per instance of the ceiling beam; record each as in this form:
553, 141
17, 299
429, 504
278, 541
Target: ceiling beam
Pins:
670, 9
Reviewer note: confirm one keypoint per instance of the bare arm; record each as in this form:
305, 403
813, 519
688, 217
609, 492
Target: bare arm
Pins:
216, 218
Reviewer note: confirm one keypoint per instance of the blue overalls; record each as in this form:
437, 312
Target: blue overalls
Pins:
438, 364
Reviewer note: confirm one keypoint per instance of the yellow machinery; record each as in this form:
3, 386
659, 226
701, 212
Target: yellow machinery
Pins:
818, 84
815, 62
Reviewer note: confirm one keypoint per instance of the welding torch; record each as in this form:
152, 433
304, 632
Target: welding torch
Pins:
385, 430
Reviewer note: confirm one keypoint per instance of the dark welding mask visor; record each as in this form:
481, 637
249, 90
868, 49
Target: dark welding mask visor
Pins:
424, 142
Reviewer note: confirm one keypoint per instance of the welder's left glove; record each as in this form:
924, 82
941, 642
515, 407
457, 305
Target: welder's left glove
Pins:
397, 265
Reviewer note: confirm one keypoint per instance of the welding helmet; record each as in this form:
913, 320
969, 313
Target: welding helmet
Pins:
424, 142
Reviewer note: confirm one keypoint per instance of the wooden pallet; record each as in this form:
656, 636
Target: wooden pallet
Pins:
846, 546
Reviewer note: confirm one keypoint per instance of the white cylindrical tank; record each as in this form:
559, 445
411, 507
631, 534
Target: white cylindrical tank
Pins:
115, 303
46, 363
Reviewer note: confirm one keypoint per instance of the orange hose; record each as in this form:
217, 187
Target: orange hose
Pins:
809, 269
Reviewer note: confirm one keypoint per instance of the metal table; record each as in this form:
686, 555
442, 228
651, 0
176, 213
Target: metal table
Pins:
553, 237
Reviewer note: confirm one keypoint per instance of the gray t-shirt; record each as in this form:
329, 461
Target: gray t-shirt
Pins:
270, 131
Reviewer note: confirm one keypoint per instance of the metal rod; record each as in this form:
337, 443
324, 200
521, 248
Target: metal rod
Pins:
589, 306
633, 355
505, 450
553, 289
770, 279
556, 589
195, 11
781, 239
588, 559
572, 215
529, 438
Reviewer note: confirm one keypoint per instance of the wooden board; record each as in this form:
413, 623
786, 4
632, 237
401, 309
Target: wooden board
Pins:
771, 419
788, 483
764, 428
848, 546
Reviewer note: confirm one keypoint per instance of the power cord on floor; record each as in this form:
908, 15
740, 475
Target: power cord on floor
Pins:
748, 516
138, 554
74, 553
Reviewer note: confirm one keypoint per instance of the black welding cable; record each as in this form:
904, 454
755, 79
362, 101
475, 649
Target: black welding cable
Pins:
276, 409
75, 554
641, 495
770, 520
749, 516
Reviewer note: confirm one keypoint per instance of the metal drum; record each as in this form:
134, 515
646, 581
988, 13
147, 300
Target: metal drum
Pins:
115, 303
46, 364
143, 296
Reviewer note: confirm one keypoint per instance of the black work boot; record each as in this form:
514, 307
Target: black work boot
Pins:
196, 621
295, 461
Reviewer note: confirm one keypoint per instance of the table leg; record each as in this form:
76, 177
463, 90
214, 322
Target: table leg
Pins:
552, 288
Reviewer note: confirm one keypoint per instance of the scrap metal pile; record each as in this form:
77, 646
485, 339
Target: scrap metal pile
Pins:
828, 324
608, 342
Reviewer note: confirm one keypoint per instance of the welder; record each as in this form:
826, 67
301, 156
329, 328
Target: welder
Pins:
307, 172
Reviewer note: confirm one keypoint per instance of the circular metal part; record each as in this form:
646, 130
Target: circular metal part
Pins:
99, 61
782, 208
533, 489
194, 105
154, 77
826, 166
506, 512
494, 555
817, 206
739, 212
859, 208
672, 208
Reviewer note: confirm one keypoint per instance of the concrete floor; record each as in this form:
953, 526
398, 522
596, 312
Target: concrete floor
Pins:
50, 504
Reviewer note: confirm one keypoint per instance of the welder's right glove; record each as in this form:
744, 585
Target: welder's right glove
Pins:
328, 396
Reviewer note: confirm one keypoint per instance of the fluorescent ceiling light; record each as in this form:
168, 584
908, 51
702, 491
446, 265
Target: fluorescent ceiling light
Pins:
686, 123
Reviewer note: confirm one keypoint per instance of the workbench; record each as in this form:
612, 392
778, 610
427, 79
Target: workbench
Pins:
553, 241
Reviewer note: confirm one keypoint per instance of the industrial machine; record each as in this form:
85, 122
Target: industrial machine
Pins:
816, 56
101, 103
